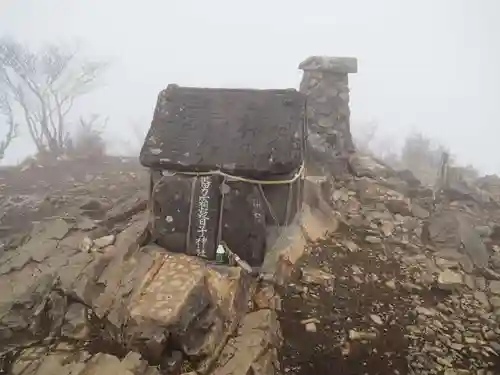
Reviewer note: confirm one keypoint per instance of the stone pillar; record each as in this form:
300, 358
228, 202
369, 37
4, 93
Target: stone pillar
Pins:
325, 84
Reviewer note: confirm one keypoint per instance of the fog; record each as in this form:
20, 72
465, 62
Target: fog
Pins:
430, 65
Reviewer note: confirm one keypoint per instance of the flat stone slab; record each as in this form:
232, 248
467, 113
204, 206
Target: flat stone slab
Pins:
65, 359
253, 349
330, 64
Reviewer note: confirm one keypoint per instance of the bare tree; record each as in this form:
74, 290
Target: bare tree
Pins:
424, 157
11, 125
88, 140
41, 88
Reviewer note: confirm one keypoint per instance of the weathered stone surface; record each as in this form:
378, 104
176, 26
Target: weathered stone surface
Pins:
451, 229
172, 295
76, 324
287, 245
186, 217
325, 84
124, 209
35, 290
442, 229
253, 350
171, 201
494, 287
266, 297
254, 133
186, 220
315, 224
181, 298
133, 298
285, 201
365, 166
316, 276
483, 299
331, 64
65, 359
419, 211
244, 222
449, 280
104, 241
399, 206
285, 249
472, 242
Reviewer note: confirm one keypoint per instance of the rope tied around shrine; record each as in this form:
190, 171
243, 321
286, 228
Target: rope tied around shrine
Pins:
229, 176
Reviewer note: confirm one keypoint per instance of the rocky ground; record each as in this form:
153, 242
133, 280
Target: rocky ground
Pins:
405, 283
402, 287
68, 188
82, 291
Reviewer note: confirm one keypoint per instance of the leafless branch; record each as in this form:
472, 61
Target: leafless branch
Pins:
42, 87
12, 127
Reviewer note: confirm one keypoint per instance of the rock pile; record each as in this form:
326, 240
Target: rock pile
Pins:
405, 282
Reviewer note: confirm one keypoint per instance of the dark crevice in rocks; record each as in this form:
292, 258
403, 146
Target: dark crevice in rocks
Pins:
99, 344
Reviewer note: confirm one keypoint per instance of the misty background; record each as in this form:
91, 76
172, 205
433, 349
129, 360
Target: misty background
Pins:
429, 66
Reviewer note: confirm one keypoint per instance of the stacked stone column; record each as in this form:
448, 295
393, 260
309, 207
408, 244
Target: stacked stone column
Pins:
325, 83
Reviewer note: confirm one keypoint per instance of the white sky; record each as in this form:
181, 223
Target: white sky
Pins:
430, 65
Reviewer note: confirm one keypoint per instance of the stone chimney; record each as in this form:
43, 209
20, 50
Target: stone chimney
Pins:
325, 83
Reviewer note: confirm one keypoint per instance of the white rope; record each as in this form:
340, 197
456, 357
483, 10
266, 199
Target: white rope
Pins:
244, 179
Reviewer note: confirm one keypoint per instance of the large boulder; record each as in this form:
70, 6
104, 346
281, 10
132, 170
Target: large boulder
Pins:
453, 233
